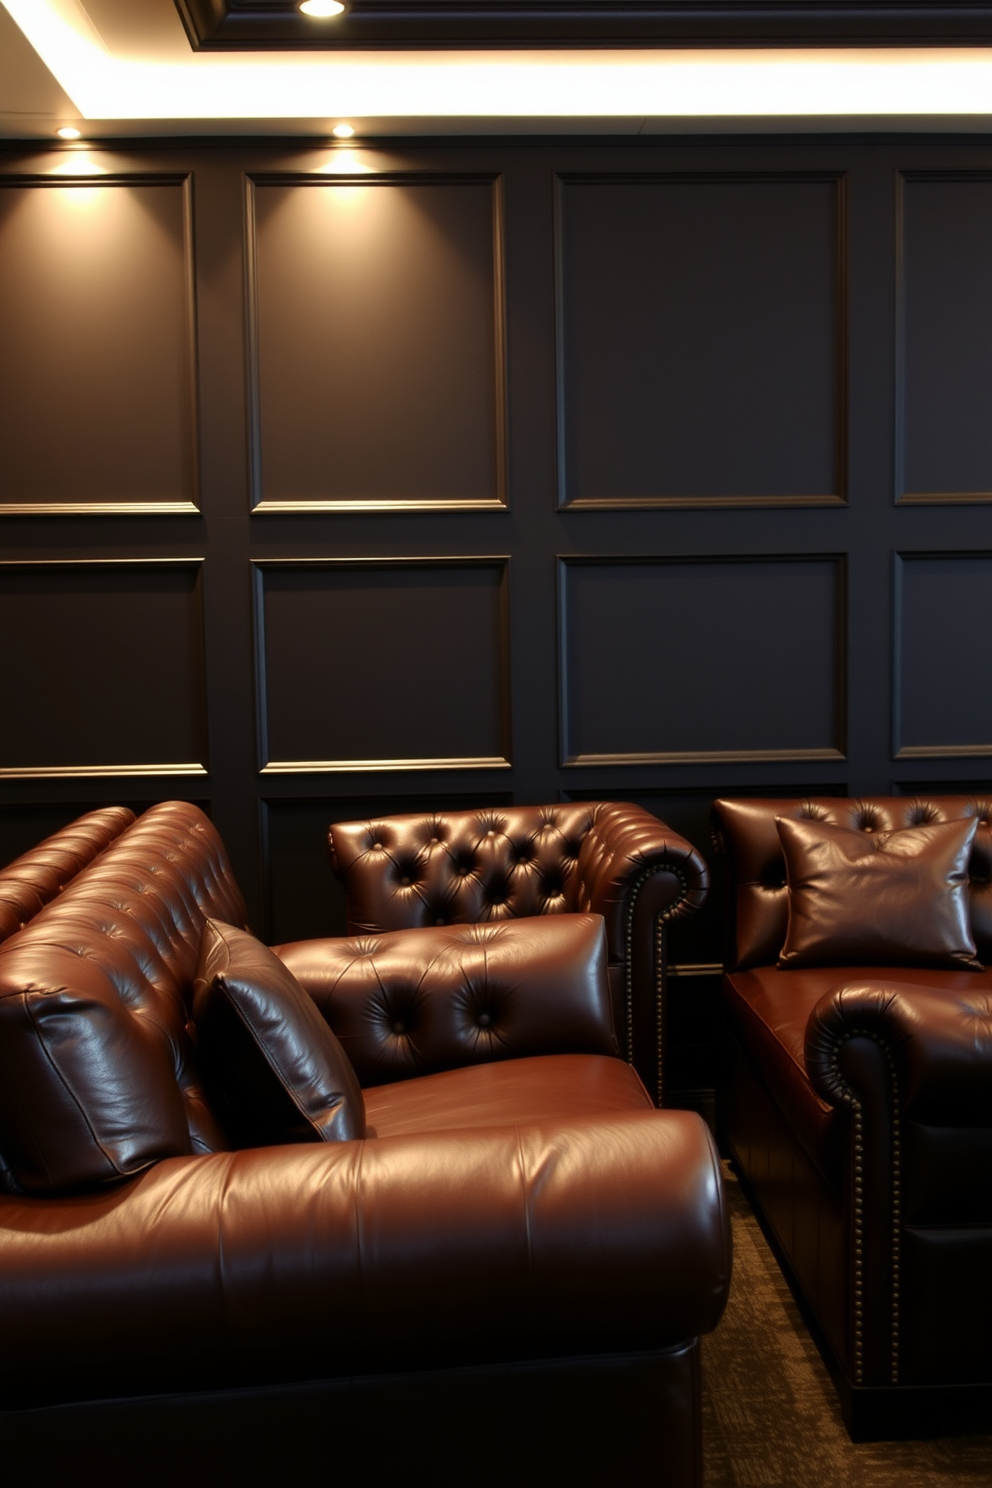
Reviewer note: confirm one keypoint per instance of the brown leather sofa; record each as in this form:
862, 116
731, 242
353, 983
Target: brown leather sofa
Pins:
502, 1278
499, 863
858, 1097
32, 880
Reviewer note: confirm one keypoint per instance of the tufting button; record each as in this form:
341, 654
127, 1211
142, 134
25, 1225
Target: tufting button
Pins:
399, 1027
484, 1020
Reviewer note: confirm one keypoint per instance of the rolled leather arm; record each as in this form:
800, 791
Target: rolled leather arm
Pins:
937, 1044
294, 1263
39, 875
629, 852
412, 1002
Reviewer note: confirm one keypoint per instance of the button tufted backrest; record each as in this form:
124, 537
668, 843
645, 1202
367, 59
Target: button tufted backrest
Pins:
135, 916
757, 893
501, 863
37, 876
461, 867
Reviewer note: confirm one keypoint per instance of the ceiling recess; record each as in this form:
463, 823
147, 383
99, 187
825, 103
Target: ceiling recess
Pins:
266, 25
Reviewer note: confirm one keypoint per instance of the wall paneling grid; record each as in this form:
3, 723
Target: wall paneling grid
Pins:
342, 481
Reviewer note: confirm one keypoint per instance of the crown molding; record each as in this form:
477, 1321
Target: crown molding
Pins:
266, 25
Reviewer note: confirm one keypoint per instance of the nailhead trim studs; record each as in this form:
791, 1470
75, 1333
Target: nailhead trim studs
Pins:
850, 1099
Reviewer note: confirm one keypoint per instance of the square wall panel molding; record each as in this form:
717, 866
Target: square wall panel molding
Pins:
759, 672
942, 628
382, 664
98, 396
702, 340
113, 683
376, 342
943, 451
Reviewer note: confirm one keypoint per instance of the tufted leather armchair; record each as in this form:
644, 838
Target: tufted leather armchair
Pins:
857, 1104
508, 862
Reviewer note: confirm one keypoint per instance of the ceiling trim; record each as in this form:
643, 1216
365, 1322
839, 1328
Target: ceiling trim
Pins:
267, 25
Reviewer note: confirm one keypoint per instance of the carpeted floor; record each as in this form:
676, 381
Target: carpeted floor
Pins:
770, 1414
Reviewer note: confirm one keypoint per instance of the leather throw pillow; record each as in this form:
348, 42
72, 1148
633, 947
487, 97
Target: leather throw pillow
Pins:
878, 898
273, 1066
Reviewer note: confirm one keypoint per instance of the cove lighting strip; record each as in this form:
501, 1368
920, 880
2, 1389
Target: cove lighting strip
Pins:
861, 82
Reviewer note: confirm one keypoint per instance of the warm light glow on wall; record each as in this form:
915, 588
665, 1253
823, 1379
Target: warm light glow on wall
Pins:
343, 131
67, 132
346, 163
78, 165
844, 83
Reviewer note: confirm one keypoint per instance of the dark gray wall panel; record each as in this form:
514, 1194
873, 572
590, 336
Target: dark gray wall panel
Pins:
107, 676
376, 337
96, 346
943, 654
926, 788
680, 660
383, 664
944, 350
702, 340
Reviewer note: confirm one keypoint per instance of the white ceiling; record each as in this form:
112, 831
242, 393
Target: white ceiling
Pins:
125, 68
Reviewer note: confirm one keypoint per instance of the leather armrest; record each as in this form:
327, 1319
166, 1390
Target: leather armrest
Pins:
937, 1044
627, 850
39, 875
412, 1002
294, 1263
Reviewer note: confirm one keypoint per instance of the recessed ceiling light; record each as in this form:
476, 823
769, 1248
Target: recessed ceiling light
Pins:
68, 132
322, 9
343, 131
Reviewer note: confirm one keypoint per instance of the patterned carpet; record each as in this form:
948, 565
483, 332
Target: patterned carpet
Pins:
770, 1414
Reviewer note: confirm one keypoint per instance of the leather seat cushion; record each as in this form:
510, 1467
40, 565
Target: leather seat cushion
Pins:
546, 1087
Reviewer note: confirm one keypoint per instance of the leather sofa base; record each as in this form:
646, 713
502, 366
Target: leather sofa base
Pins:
595, 1420
802, 1221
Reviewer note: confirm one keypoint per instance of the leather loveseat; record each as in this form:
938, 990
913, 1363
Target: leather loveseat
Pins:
500, 1274
858, 1094
499, 863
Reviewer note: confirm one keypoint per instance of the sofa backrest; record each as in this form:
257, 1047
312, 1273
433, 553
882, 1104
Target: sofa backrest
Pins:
470, 867
37, 876
124, 933
757, 895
